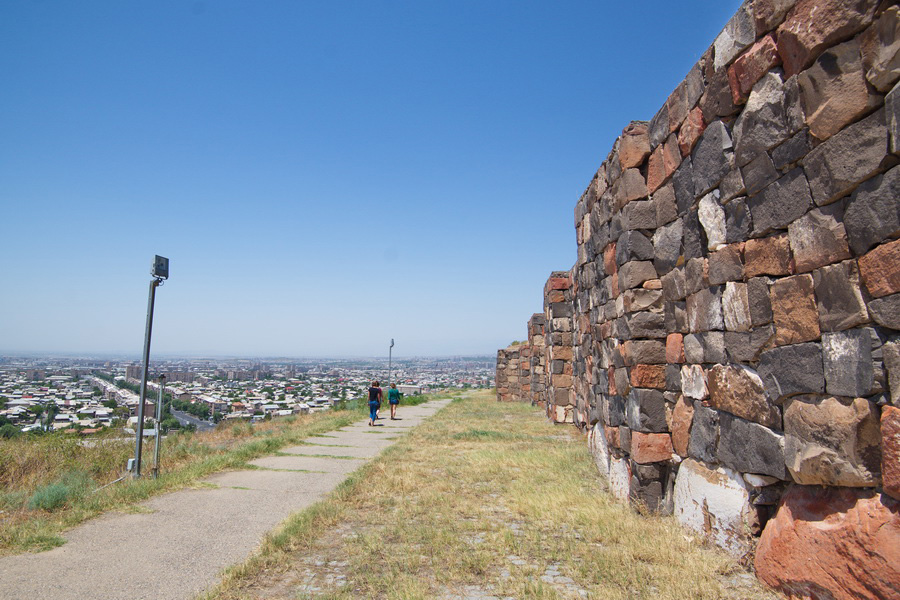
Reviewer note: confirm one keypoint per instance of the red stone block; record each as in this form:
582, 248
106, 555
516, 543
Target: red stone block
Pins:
555, 296
648, 376
559, 283
794, 310
656, 170
750, 66
890, 450
634, 145
691, 131
767, 256
814, 25
671, 155
880, 269
837, 543
682, 417
612, 382
609, 259
649, 448
612, 436
675, 348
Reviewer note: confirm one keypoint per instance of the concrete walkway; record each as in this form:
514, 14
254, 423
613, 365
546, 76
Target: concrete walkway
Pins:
180, 546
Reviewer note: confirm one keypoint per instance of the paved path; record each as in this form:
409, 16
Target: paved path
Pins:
181, 545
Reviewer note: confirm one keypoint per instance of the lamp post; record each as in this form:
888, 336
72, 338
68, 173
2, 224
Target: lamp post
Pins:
390, 348
160, 272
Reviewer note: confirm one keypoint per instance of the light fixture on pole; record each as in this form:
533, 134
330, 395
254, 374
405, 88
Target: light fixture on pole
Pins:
160, 272
390, 348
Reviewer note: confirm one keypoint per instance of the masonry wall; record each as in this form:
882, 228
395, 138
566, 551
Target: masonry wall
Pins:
729, 336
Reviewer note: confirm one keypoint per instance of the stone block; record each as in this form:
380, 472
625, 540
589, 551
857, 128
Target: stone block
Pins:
646, 324
664, 202
835, 167
892, 111
634, 145
714, 504
677, 106
599, 445
765, 121
794, 310
648, 486
726, 264
696, 275
651, 352
750, 448
758, 173
847, 357
693, 349
838, 297
880, 47
673, 379
673, 286
890, 451
704, 434
704, 310
832, 441
731, 186
630, 186
891, 360
690, 132
634, 273
751, 66
649, 448
683, 183
836, 543
682, 416
760, 304
738, 33
649, 376
633, 245
818, 238
873, 213
676, 317
814, 25
712, 217
659, 127
640, 299
767, 256
769, 14
880, 269
712, 158
833, 90
693, 382
745, 347
790, 370
886, 311
674, 348
740, 391
780, 203
738, 222
645, 411
736, 307
667, 247
613, 411
693, 244
791, 151
640, 215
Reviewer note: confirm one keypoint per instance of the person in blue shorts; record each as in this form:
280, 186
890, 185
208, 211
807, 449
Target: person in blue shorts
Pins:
374, 402
393, 400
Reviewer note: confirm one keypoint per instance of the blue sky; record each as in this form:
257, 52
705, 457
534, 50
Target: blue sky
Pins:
323, 176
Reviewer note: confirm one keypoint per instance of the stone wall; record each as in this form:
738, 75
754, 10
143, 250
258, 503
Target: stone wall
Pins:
730, 334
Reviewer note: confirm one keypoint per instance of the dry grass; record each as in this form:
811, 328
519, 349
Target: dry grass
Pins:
484, 500
44, 467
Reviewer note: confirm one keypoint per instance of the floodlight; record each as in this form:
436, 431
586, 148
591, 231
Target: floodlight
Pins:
160, 267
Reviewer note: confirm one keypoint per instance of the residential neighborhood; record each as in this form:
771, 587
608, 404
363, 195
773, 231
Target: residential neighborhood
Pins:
88, 395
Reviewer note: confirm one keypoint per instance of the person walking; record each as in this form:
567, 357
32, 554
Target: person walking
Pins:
374, 402
393, 400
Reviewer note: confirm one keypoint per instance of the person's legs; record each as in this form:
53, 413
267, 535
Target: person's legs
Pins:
373, 408
393, 411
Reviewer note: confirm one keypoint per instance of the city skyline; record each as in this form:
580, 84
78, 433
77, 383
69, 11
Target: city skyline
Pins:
323, 178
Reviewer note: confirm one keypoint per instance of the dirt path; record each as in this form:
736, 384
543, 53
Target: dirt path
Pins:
175, 546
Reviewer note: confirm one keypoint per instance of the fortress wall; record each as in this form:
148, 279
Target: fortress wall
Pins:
729, 337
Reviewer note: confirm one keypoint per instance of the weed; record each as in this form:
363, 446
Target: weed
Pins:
69, 487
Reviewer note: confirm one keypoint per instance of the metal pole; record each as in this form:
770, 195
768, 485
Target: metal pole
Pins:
390, 349
138, 442
159, 404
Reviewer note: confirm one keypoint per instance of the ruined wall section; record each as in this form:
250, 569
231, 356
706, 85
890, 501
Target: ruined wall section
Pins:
537, 327
735, 304
558, 312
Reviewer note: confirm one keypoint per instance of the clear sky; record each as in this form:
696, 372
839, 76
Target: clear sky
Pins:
323, 175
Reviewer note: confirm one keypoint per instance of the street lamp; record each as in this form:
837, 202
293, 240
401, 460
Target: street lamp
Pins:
160, 272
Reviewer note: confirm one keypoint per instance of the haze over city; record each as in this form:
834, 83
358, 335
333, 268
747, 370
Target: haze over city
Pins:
323, 176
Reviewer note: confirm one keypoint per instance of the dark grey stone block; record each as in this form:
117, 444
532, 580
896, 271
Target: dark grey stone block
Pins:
779, 204
712, 158
704, 434
667, 246
873, 213
791, 151
759, 300
633, 245
758, 173
790, 370
847, 357
646, 324
744, 347
738, 223
683, 182
645, 411
886, 311
749, 447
